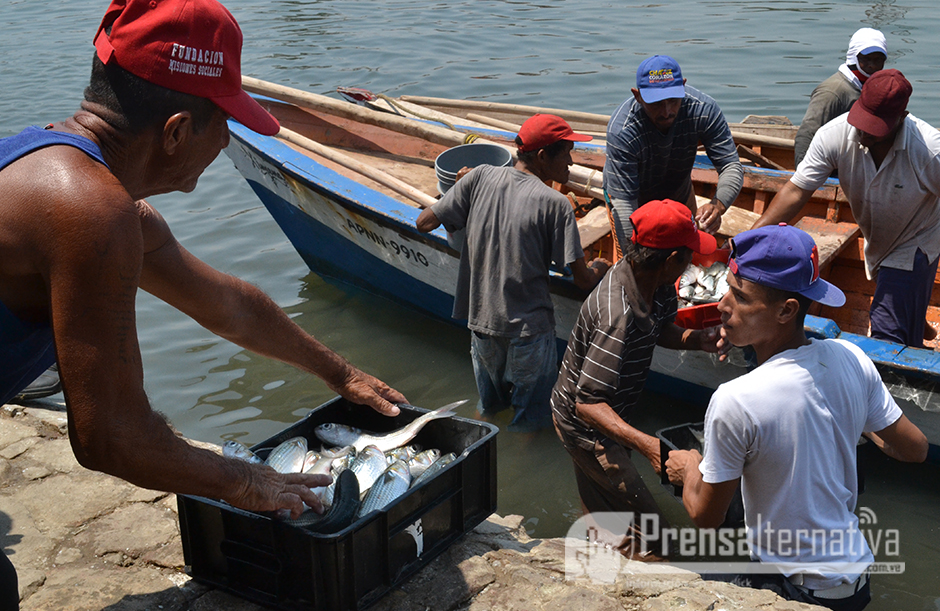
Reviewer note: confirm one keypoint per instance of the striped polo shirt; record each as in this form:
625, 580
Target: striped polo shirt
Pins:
609, 351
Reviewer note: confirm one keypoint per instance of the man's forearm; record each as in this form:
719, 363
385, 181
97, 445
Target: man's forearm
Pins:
601, 417
621, 211
730, 181
258, 324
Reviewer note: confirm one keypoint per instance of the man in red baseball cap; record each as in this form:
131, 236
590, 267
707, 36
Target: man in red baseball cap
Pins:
78, 241
516, 226
608, 358
889, 168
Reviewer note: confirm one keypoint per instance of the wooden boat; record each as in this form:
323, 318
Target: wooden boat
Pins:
346, 184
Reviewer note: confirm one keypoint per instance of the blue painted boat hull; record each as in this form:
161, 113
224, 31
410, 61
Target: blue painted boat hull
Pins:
346, 231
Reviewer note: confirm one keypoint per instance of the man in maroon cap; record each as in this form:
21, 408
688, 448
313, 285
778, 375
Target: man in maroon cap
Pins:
605, 367
889, 168
516, 226
77, 240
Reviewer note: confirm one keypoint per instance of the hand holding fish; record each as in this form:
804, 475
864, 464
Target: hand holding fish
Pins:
267, 490
708, 216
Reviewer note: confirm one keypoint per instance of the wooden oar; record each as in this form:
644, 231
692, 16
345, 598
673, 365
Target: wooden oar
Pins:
512, 127
353, 112
528, 111
582, 178
402, 188
571, 115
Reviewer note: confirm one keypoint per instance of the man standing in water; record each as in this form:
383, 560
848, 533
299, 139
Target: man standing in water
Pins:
835, 95
77, 241
516, 227
607, 361
651, 146
787, 431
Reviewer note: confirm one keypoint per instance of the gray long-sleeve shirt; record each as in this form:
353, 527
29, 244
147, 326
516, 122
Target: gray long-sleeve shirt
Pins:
644, 164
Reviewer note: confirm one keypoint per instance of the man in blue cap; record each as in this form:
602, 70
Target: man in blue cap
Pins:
652, 140
787, 431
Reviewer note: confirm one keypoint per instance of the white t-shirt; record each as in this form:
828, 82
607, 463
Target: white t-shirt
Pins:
896, 204
789, 429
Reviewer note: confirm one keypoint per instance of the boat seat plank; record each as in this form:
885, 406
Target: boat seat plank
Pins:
831, 238
593, 226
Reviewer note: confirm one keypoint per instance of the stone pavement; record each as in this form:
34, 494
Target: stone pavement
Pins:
85, 541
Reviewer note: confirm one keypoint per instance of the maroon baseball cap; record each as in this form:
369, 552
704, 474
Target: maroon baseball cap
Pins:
190, 46
543, 130
669, 224
883, 100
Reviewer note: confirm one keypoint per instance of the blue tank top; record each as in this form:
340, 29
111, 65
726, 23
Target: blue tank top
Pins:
27, 349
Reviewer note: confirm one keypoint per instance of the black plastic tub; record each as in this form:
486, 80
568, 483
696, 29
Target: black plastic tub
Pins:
687, 437
285, 567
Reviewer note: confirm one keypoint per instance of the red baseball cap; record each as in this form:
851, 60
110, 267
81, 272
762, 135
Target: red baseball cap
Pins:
543, 130
669, 224
884, 99
190, 46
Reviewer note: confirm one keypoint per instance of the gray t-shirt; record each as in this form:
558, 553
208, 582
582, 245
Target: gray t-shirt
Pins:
516, 226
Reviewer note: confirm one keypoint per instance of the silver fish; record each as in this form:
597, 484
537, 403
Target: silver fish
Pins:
343, 435
368, 466
236, 449
289, 456
434, 469
393, 483
688, 277
339, 465
420, 463
309, 460
404, 453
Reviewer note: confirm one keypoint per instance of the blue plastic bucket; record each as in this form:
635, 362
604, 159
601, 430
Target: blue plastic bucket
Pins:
452, 160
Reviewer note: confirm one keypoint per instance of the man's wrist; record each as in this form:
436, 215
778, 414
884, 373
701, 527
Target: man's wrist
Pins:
721, 207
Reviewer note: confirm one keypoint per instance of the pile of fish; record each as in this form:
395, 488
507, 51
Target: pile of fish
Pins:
369, 470
703, 284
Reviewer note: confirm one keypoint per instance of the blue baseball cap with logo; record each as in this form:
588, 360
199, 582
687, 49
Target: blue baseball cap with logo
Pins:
785, 258
659, 78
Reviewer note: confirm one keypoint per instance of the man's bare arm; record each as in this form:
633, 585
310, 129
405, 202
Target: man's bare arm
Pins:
245, 315
785, 205
601, 417
94, 248
707, 504
587, 276
902, 441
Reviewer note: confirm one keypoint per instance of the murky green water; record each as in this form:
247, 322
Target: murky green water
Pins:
754, 57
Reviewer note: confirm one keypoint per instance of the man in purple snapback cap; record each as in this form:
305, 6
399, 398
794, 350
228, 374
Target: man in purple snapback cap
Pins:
889, 168
652, 140
78, 241
787, 431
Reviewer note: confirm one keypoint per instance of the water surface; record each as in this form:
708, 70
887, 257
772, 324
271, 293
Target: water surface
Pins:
760, 57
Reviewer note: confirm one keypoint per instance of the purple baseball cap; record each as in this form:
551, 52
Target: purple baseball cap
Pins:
659, 78
785, 258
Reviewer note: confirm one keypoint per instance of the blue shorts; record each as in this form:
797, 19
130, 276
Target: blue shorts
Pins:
516, 372
899, 306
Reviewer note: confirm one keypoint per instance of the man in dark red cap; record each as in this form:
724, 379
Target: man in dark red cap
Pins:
516, 226
889, 168
605, 367
77, 241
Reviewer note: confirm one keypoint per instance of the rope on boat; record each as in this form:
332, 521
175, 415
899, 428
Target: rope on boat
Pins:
470, 138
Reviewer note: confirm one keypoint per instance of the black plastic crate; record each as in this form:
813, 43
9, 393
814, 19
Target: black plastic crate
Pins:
686, 437
282, 566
